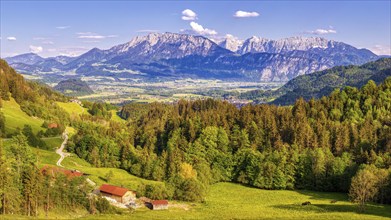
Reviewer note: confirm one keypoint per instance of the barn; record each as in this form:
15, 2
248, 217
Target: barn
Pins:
119, 194
159, 204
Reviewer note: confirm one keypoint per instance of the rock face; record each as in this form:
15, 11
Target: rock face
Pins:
166, 46
231, 43
171, 55
258, 44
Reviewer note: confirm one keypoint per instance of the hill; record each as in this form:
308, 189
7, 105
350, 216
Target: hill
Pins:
319, 84
73, 87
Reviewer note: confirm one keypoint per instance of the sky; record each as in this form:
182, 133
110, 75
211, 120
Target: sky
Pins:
52, 28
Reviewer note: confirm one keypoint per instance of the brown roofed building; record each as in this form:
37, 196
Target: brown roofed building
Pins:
53, 171
159, 204
119, 194
52, 125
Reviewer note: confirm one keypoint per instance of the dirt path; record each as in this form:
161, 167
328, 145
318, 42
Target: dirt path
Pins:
60, 152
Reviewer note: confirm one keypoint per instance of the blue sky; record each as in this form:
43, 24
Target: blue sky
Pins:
51, 28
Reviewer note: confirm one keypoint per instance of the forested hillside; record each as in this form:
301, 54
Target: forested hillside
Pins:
73, 87
319, 84
318, 145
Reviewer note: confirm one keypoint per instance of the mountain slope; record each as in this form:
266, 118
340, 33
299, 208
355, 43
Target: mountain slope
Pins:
322, 83
28, 58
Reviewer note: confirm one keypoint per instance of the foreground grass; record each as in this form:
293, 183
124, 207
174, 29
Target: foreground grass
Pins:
16, 118
233, 201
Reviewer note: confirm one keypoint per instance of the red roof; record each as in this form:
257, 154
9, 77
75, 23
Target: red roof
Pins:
52, 125
113, 190
53, 170
159, 202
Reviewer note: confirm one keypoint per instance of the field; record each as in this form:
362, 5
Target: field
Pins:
125, 90
72, 108
233, 201
16, 118
120, 177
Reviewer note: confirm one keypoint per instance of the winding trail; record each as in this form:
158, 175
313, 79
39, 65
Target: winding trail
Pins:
60, 152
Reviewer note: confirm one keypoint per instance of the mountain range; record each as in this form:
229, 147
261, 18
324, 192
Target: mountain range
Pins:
172, 56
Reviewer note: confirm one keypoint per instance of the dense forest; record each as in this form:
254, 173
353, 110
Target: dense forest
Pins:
316, 145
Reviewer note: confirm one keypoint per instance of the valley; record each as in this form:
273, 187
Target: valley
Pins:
121, 92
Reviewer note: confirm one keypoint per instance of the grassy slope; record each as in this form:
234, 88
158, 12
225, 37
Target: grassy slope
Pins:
72, 108
15, 117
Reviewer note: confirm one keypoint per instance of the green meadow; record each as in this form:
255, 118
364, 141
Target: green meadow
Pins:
234, 201
16, 118
72, 108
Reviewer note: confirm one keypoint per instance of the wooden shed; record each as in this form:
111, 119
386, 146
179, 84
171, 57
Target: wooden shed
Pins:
159, 204
117, 193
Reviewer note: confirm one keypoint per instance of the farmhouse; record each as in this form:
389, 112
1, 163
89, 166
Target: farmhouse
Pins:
159, 204
119, 194
52, 125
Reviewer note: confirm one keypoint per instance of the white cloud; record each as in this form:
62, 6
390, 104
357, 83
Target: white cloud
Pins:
63, 27
381, 49
245, 14
11, 38
322, 31
35, 49
199, 29
189, 15
90, 35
